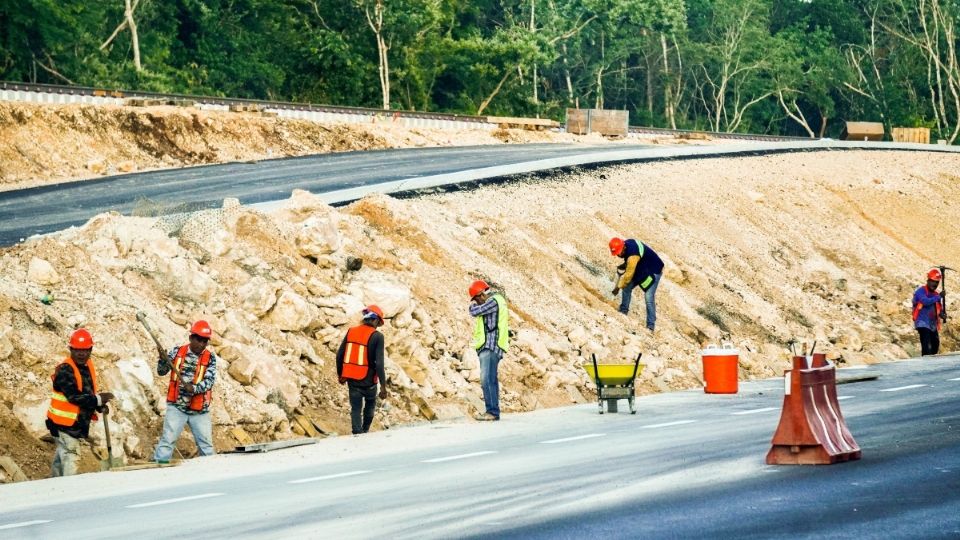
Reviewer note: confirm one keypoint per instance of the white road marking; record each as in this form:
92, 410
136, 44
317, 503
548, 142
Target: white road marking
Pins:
665, 424
577, 438
754, 411
24, 524
956, 379
855, 367
171, 501
461, 456
843, 397
909, 386
327, 477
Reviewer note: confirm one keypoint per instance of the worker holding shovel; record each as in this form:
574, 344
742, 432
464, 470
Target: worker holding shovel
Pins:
929, 313
193, 370
74, 403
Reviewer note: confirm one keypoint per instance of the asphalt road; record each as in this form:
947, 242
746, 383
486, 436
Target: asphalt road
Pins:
56, 207
688, 465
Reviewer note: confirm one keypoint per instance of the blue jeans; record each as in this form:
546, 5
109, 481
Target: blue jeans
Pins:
649, 296
66, 457
489, 360
173, 423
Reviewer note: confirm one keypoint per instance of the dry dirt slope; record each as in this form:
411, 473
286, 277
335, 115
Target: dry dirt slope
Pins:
43, 144
759, 250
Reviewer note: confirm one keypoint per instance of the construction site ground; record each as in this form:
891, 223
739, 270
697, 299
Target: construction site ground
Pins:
824, 246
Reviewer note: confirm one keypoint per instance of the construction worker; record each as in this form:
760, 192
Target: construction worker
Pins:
360, 366
193, 370
491, 337
642, 267
74, 403
928, 313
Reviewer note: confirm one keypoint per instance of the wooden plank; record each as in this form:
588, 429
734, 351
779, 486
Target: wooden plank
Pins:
241, 436
863, 131
612, 123
307, 425
13, 470
523, 122
577, 121
914, 135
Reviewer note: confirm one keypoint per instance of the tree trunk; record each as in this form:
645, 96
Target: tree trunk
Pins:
494, 93
134, 37
383, 62
566, 74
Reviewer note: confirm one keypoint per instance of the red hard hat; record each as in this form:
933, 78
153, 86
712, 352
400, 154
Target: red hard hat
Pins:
81, 339
202, 329
616, 246
934, 274
374, 309
478, 287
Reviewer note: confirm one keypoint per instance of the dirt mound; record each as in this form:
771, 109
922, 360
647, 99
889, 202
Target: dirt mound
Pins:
43, 144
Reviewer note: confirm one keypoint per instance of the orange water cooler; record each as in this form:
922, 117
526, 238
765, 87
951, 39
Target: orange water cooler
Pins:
721, 369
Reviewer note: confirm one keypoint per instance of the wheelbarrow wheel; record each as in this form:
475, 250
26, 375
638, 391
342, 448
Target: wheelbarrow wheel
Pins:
633, 408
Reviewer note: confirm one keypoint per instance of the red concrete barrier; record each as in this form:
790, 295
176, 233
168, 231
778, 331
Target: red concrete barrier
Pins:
811, 430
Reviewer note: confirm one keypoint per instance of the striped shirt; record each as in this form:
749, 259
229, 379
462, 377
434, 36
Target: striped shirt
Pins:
187, 372
489, 311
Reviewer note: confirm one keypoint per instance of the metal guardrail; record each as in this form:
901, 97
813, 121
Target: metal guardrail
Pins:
636, 130
324, 112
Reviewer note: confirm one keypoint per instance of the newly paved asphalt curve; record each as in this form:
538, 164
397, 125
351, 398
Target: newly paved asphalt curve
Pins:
52, 208
688, 465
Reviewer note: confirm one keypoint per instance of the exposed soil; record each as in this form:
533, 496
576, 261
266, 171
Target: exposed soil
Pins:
824, 246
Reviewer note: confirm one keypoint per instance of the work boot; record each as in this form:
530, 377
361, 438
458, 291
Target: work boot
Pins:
487, 417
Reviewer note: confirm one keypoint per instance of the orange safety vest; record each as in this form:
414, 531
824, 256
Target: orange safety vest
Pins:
61, 411
198, 401
355, 363
919, 306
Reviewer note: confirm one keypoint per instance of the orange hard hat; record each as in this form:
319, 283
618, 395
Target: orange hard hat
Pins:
81, 339
373, 310
616, 246
934, 274
478, 287
202, 329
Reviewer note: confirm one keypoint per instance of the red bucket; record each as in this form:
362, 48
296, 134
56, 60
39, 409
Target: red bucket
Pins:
721, 369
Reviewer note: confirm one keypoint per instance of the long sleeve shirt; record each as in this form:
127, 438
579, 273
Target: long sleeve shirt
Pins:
641, 262
489, 310
374, 360
65, 382
927, 301
187, 372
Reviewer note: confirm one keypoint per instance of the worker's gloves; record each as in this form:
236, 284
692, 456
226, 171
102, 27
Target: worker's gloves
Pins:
342, 380
383, 392
103, 410
943, 316
615, 291
189, 388
105, 397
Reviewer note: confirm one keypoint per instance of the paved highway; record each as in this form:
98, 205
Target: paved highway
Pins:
688, 465
52, 208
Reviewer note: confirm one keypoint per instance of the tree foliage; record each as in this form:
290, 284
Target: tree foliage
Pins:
797, 67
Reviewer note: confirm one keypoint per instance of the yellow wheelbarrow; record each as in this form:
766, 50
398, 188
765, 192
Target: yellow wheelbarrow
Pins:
614, 382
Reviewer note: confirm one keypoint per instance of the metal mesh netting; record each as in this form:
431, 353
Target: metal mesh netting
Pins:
197, 222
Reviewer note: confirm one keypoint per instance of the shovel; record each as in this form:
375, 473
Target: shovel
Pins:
110, 462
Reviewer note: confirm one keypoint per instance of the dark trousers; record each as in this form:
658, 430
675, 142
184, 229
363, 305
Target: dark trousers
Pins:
929, 341
363, 400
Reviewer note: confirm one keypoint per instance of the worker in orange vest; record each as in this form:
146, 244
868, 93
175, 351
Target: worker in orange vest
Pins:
193, 370
360, 366
74, 403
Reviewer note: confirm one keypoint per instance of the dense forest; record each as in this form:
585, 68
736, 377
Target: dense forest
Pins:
797, 67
